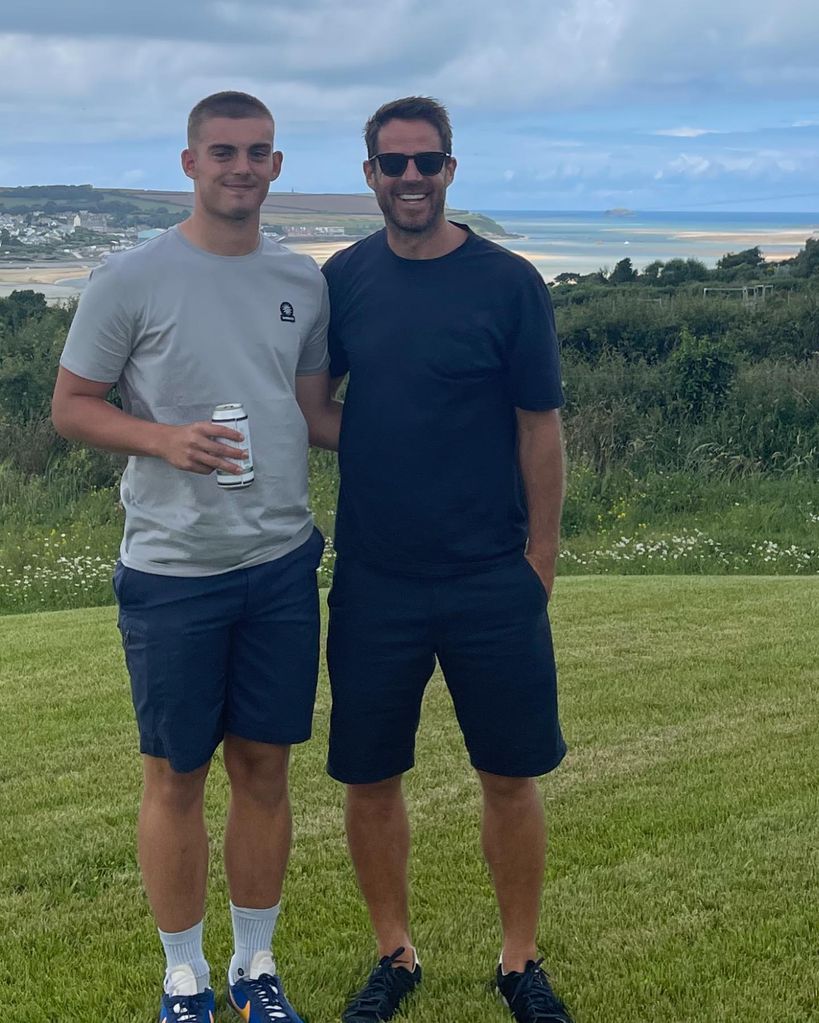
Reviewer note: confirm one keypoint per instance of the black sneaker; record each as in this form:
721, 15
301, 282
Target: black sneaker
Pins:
386, 988
529, 996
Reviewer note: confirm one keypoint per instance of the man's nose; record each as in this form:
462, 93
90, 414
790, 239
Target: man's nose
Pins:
241, 164
411, 173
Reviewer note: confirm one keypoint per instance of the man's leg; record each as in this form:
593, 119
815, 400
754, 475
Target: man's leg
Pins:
380, 655
173, 843
272, 672
173, 856
257, 837
378, 836
498, 661
513, 836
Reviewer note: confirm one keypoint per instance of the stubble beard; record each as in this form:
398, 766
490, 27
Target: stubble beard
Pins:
413, 226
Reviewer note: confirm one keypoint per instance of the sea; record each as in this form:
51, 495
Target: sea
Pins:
584, 242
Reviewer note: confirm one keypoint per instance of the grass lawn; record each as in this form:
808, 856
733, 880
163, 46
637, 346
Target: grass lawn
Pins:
684, 864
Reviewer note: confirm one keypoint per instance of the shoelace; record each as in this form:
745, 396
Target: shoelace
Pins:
375, 997
535, 995
186, 1009
264, 987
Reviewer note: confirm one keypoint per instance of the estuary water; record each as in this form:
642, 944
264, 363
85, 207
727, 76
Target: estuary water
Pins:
580, 242
583, 242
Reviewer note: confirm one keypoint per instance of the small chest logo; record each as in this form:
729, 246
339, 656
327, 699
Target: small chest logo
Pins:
287, 315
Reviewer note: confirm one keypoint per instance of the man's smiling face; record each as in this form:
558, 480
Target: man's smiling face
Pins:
412, 202
232, 162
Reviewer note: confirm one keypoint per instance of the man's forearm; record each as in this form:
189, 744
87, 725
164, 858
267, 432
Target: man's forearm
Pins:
198, 447
542, 465
100, 424
324, 425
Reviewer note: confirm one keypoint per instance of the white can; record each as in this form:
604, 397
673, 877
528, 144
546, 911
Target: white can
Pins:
234, 417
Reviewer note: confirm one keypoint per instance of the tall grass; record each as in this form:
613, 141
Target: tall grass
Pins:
59, 541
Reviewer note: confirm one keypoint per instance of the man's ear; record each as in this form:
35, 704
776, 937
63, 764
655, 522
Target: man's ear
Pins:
188, 161
369, 174
276, 169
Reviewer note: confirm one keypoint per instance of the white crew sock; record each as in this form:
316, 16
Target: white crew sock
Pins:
184, 948
252, 934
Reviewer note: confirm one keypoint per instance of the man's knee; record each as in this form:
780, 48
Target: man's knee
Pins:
375, 798
499, 790
256, 769
179, 792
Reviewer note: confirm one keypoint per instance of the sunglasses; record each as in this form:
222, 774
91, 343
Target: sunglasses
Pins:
394, 164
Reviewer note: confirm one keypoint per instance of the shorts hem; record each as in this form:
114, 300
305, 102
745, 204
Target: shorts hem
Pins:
250, 736
179, 765
526, 771
366, 777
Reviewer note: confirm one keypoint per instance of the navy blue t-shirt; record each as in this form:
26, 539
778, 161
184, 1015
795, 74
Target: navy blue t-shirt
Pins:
439, 353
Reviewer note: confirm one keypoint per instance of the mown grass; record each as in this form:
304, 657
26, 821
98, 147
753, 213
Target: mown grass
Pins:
683, 865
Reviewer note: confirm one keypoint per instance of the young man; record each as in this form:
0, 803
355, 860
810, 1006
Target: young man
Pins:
216, 586
447, 533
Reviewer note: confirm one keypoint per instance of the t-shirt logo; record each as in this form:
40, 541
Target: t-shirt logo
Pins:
286, 311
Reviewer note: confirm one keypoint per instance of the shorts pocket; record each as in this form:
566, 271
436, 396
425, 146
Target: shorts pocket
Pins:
533, 574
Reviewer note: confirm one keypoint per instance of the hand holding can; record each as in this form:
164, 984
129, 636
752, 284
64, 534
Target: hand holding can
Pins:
233, 415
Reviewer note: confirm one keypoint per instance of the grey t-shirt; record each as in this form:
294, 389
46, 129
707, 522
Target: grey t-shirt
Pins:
182, 330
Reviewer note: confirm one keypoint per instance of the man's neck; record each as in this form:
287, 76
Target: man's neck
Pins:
222, 237
439, 241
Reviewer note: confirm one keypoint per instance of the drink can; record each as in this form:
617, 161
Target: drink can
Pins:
234, 417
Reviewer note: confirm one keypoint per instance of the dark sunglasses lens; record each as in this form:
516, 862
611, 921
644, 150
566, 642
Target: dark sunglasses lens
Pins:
392, 164
429, 163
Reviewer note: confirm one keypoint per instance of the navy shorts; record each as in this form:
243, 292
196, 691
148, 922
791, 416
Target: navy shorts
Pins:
236, 652
489, 631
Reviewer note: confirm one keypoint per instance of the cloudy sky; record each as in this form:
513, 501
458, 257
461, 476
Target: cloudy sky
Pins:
556, 104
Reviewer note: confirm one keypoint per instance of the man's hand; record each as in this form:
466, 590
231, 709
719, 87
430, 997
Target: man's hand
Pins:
197, 447
543, 562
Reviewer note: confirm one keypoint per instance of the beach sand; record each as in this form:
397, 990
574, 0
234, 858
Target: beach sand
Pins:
320, 251
21, 275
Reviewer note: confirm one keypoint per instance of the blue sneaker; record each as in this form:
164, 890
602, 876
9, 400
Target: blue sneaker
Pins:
185, 1005
258, 997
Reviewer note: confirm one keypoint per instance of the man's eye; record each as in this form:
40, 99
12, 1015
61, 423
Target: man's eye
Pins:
222, 154
259, 154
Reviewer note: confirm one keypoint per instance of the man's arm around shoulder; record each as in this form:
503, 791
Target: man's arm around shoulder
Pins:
320, 410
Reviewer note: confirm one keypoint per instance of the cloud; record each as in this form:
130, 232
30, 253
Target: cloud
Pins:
345, 57
737, 164
583, 77
685, 133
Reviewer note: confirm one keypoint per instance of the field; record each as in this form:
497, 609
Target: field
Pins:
683, 869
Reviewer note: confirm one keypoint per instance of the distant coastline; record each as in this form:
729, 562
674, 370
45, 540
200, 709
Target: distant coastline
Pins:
555, 242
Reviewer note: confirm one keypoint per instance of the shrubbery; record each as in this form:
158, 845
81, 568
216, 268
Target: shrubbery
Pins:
683, 412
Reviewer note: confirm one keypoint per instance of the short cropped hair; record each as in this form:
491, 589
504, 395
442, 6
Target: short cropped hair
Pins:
411, 108
224, 104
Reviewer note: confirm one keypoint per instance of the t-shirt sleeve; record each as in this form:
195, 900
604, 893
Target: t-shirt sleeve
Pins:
533, 354
101, 335
313, 357
339, 364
